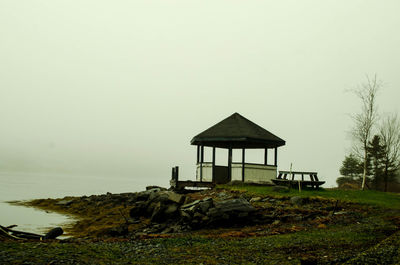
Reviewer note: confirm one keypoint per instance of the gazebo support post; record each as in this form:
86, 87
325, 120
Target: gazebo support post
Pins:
213, 165
230, 164
198, 154
276, 156
266, 157
243, 162
201, 162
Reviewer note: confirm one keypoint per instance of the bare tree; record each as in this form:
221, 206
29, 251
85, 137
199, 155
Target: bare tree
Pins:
366, 119
390, 136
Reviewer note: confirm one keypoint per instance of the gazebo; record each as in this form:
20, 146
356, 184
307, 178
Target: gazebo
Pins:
236, 132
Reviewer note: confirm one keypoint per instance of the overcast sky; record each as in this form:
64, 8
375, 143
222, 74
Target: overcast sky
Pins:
119, 88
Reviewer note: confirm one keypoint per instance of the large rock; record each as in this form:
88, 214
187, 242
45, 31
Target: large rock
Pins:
158, 213
144, 195
171, 209
234, 205
164, 212
205, 205
255, 199
157, 196
53, 233
190, 207
297, 200
139, 209
155, 187
164, 196
198, 206
230, 209
174, 197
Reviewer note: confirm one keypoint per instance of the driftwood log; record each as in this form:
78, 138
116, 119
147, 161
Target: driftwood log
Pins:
19, 235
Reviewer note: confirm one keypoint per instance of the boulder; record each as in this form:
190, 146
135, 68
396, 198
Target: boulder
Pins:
164, 196
53, 233
223, 195
144, 195
276, 222
234, 205
175, 197
190, 207
163, 212
297, 200
155, 187
230, 209
158, 213
198, 216
185, 216
139, 209
255, 199
171, 209
205, 205
157, 196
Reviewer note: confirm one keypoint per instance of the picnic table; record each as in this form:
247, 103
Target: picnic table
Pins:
288, 178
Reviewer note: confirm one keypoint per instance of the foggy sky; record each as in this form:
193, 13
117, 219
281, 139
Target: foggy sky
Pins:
119, 88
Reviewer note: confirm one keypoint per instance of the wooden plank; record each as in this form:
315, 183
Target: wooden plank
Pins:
256, 164
298, 172
316, 178
194, 184
302, 183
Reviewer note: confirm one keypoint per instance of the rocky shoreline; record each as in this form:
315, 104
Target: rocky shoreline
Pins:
162, 212
219, 226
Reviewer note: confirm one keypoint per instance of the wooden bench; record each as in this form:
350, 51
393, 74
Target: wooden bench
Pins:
288, 178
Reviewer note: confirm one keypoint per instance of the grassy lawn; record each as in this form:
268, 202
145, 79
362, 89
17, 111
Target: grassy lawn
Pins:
376, 198
332, 246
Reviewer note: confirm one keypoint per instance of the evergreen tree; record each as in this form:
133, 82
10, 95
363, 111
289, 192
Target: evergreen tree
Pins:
352, 167
390, 170
376, 155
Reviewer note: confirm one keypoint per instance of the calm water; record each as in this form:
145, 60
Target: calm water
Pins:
26, 186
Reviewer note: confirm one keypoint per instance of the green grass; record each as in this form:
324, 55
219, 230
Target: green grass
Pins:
376, 198
336, 244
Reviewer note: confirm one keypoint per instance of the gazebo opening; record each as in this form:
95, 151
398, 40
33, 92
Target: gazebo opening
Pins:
236, 133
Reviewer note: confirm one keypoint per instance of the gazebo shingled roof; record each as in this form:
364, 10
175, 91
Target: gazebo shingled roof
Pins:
237, 132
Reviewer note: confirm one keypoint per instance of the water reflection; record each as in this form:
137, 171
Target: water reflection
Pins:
31, 220
27, 186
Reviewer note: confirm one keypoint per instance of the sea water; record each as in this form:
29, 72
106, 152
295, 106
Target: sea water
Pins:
27, 186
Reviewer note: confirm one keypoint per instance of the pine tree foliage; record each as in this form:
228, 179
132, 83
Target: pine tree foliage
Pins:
376, 154
352, 167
